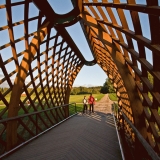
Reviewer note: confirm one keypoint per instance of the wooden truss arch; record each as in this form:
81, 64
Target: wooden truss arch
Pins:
49, 59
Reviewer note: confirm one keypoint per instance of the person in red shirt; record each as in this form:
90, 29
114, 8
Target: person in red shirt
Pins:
91, 102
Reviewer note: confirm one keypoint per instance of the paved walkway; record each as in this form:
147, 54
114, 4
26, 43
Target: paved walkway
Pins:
104, 105
83, 137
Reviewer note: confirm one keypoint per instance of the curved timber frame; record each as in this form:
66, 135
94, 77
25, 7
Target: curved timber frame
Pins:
49, 61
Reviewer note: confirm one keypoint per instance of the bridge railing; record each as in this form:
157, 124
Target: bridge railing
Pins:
39, 123
144, 150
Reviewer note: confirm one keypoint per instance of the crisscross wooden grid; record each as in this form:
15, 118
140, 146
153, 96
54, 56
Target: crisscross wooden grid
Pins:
49, 78
115, 19
49, 62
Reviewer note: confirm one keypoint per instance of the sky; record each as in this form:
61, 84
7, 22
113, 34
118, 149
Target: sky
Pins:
89, 75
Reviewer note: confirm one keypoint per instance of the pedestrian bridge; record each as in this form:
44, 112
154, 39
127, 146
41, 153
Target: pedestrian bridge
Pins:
84, 136
39, 62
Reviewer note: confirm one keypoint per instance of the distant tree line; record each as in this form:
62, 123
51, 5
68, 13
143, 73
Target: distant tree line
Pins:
85, 90
106, 88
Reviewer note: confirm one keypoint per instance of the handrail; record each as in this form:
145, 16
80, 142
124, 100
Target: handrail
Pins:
153, 155
121, 149
33, 113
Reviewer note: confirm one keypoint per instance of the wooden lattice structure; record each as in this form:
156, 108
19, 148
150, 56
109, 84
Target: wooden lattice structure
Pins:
45, 67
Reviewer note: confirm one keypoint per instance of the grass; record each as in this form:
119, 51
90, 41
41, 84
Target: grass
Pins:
1, 107
79, 98
7, 98
73, 98
115, 108
113, 97
79, 108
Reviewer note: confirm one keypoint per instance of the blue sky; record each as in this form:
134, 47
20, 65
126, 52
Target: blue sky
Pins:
88, 76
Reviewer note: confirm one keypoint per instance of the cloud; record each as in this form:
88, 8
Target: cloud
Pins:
5, 83
1, 75
84, 85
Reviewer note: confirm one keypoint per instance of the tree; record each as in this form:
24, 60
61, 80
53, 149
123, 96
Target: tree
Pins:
111, 88
150, 78
74, 91
107, 87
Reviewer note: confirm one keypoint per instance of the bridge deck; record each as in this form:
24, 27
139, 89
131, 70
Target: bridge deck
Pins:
90, 137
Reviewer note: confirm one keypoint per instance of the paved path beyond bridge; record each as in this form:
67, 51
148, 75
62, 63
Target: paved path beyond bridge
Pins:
83, 137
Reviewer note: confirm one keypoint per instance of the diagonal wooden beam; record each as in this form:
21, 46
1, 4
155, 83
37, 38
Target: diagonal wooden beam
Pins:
65, 19
19, 82
153, 10
47, 10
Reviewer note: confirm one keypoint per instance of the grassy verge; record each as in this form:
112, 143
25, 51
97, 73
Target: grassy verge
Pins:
79, 108
113, 97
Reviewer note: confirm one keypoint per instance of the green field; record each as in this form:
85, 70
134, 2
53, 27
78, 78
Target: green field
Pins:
1, 107
73, 98
79, 98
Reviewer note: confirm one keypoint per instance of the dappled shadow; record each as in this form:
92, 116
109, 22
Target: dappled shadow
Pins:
86, 136
101, 117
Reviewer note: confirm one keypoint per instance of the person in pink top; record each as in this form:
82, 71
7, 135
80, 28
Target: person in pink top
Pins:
91, 102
